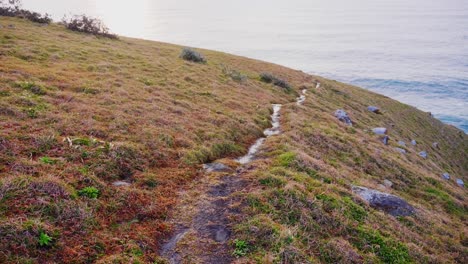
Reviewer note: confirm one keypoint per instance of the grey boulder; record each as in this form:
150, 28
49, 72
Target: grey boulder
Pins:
423, 154
343, 117
374, 109
413, 142
446, 176
385, 140
402, 143
402, 151
460, 183
388, 203
379, 130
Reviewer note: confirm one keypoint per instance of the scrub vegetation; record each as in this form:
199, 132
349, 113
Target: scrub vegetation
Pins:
79, 113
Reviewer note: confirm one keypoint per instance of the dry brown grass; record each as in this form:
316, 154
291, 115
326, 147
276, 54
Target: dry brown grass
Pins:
79, 111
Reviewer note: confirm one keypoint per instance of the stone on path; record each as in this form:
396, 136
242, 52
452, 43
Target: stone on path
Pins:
216, 167
121, 184
388, 203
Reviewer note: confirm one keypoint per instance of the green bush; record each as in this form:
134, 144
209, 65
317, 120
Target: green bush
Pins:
191, 55
90, 192
286, 159
270, 78
388, 250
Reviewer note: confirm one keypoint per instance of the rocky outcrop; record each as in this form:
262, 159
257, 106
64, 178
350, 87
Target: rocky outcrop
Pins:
388, 203
343, 117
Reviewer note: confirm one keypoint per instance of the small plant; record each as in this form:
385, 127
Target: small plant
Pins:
32, 113
241, 248
47, 160
286, 159
234, 74
151, 182
44, 239
191, 55
270, 78
89, 25
32, 87
90, 192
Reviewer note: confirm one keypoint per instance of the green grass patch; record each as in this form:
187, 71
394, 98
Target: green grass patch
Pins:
47, 160
387, 249
272, 182
90, 192
354, 211
286, 159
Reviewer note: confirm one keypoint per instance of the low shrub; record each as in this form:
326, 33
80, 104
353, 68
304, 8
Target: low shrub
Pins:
191, 55
89, 25
90, 192
234, 74
270, 78
12, 8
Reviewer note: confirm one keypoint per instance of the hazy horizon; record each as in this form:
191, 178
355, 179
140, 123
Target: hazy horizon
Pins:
414, 52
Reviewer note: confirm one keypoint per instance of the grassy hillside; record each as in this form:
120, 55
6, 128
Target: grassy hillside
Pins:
80, 113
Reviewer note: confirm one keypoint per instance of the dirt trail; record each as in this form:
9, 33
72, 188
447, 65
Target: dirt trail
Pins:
204, 218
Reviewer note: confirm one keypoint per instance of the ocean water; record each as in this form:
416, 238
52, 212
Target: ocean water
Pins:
413, 51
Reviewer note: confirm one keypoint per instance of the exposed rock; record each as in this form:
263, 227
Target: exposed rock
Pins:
121, 184
343, 117
413, 142
402, 143
423, 154
388, 203
379, 130
374, 109
402, 151
460, 183
385, 140
435, 145
216, 167
446, 176
387, 183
